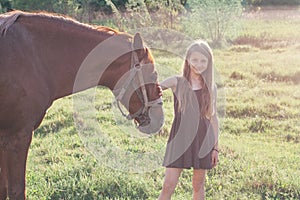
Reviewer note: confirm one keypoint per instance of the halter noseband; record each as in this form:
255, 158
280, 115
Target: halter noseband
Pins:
136, 70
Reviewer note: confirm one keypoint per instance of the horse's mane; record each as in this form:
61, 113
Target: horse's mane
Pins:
7, 19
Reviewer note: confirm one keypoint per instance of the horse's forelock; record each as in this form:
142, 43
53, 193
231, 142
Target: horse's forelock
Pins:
149, 54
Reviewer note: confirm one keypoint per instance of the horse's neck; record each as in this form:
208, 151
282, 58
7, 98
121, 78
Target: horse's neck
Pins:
63, 48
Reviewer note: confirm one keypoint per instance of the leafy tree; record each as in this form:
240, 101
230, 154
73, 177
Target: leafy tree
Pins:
137, 14
213, 18
165, 13
67, 7
5, 5
183, 2
120, 4
104, 6
29, 5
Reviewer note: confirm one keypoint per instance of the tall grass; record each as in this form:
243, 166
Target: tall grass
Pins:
259, 140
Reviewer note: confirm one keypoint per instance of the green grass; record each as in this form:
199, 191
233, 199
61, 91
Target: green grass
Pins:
259, 141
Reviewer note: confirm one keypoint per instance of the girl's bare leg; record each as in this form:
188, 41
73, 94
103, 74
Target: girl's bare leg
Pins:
170, 182
198, 184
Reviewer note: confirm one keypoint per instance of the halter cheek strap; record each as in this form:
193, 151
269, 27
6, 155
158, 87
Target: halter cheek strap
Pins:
136, 69
121, 92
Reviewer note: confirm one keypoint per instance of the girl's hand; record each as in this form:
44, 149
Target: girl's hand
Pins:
160, 91
215, 158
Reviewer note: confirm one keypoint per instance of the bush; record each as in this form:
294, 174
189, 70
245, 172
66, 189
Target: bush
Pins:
5, 6
214, 19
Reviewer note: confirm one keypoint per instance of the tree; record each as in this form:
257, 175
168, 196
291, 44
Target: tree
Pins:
137, 14
29, 5
183, 2
5, 6
165, 13
67, 7
214, 18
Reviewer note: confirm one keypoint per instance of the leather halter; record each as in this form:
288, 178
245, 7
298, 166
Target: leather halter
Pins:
142, 113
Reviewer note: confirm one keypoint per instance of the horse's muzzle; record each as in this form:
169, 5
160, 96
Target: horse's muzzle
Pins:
156, 116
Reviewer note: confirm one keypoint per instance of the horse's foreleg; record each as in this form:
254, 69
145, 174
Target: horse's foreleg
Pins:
16, 165
3, 177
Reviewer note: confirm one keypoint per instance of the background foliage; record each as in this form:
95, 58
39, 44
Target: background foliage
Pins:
212, 20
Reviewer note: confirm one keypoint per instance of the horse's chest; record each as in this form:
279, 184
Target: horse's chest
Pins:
4, 142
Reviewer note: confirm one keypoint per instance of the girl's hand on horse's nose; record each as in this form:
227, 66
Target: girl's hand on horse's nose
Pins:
159, 90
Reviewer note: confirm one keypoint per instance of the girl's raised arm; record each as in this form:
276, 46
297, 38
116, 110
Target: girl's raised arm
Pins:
170, 82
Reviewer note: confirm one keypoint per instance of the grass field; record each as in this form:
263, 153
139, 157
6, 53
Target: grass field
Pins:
259, 77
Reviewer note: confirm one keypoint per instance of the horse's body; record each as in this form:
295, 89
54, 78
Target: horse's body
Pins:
40, 55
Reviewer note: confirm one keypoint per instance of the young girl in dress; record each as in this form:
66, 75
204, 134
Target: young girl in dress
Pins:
193, 140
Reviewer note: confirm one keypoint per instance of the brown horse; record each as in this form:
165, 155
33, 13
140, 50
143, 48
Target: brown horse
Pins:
44, 57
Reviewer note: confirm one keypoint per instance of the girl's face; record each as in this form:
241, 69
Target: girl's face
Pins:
198, 62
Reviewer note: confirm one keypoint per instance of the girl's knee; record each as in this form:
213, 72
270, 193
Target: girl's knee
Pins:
198, 183
169, 186
197, 187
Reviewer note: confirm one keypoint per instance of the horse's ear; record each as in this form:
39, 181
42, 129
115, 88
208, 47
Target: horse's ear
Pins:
137, 42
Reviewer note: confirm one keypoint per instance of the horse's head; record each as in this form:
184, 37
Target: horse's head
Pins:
138, 89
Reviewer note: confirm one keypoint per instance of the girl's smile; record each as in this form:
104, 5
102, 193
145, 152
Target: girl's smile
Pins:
198, 62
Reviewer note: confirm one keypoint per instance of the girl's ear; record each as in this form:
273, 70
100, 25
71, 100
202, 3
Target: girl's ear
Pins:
138, 42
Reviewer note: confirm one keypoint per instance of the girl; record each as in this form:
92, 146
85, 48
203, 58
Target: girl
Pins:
193, 140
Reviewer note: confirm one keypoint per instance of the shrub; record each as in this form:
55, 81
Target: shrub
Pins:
214, 18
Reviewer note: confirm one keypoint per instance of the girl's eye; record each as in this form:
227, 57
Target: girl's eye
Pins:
194, 61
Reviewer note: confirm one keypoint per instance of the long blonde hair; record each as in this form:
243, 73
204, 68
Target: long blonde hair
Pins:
206, 107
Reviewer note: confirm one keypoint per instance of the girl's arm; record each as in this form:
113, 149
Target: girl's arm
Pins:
170, 82
215, 126
214, 120
215, 151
